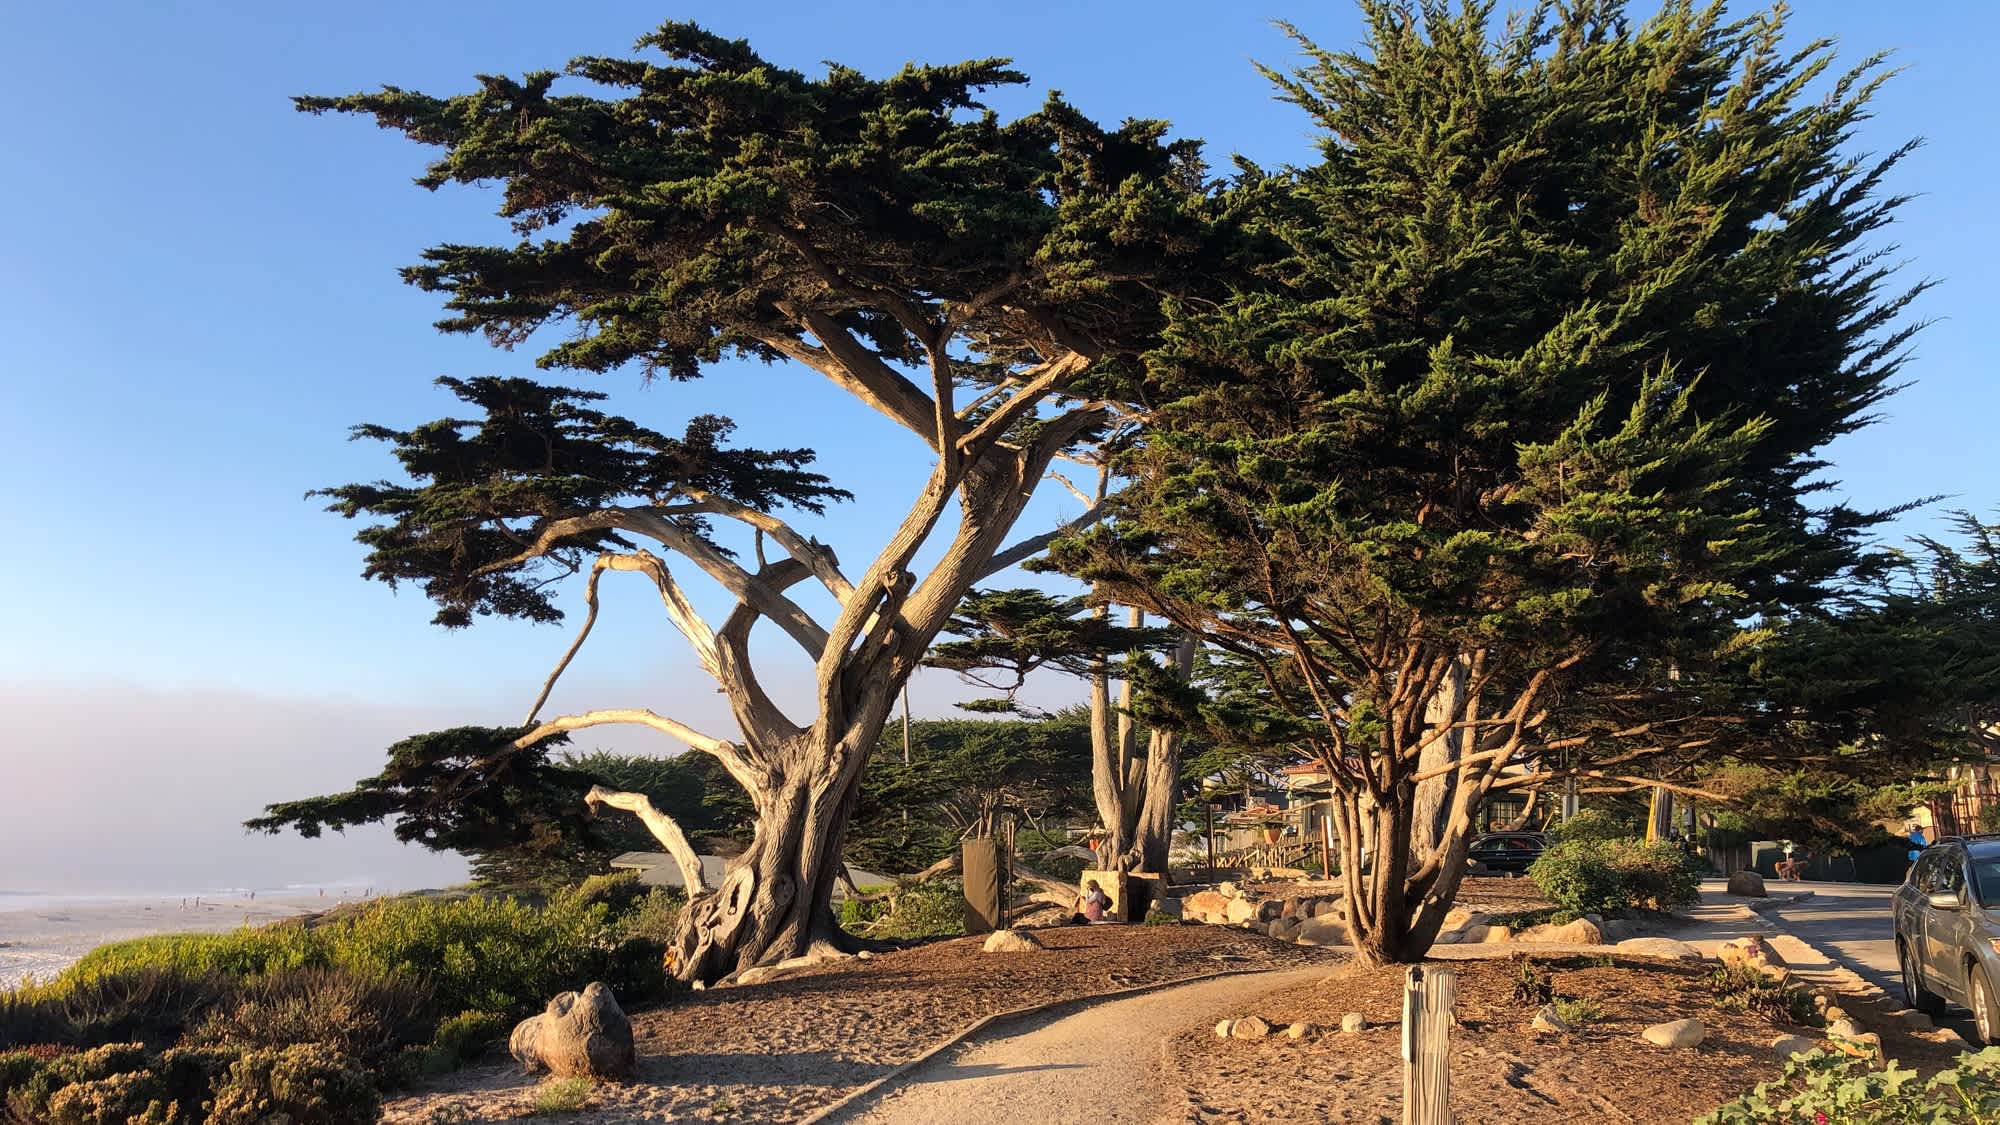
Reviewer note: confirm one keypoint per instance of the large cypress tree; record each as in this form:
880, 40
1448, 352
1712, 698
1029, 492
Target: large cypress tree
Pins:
1506, 467
967, 279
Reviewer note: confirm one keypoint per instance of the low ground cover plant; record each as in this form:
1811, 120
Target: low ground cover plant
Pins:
312, 1022
1821, 1086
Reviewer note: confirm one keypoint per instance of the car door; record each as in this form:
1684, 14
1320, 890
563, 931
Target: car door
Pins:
1914, 910
1945, 930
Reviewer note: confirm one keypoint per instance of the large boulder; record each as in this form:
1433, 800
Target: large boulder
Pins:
1675, 1033
1165, 908
1249, 1027
1747, 883
1660, 947
1011, 941
1205, 906
1323, 930
1788, 1045
1240, 910
579, 1035
1583, 931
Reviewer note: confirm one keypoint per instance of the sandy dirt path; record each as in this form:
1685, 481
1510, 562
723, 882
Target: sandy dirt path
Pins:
1099, 1065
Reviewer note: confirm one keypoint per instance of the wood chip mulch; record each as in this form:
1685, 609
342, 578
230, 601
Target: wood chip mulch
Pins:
1502, 1072
778, 1051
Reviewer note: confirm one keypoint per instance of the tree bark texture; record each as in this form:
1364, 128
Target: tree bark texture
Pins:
774, 900
1135, 795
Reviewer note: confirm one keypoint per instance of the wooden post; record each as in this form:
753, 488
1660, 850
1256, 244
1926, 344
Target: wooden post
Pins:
1428, 996
1210, 809
1326, 841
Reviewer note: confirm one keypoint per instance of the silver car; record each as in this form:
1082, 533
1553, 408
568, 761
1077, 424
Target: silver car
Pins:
1948, 930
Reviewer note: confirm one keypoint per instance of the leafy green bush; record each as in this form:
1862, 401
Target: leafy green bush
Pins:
654, 915
477, 953
1599, 876
1588, 825
30, 1089
619, 891
308, 1084
934, 909
238, 953
466, 1035
368, 1018
1824, 1086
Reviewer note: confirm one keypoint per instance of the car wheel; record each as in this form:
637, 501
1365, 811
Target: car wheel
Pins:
1980, 995
1914, 992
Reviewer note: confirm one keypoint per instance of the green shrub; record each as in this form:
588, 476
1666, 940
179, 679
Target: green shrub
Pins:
1744, 989
1576, 1011
368, 1018
152, 1005
309, 1084
466, 1036
137, 1097
1599, 876
934, 909
29, 1092
563, 1095
619, 891
1588, 825
238, 953
1823, 1086
654, 915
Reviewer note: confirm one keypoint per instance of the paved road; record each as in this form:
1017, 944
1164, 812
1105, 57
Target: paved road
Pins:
1091, 1068
1850, 921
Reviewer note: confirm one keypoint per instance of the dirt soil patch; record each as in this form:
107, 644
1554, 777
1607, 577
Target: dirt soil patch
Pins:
1502, 1072
778, 1051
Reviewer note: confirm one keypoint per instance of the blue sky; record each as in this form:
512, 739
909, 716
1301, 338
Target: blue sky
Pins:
201, 297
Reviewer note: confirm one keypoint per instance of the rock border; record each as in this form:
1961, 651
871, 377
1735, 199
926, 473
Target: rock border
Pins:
855, 1099
1838, 976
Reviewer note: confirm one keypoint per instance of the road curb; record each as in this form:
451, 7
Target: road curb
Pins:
856, 1098
1843, 975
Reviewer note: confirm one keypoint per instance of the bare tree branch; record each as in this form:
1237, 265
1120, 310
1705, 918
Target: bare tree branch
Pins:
662, 827
728, 753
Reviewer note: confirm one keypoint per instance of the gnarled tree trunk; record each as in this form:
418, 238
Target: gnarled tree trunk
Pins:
1135, 795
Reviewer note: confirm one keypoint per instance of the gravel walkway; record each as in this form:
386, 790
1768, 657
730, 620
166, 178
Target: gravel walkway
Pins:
1100, 1065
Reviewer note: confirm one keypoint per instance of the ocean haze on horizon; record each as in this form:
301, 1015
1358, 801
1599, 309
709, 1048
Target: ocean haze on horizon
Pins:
127, 791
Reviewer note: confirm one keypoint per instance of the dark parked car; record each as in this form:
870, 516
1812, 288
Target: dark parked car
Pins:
1510, 852
1947, 923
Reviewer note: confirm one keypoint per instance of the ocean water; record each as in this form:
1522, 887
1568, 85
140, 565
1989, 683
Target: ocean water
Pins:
48, 900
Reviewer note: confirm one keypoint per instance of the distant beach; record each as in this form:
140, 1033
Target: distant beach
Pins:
41, 934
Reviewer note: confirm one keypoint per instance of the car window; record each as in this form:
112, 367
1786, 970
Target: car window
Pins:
1947, 873
1926, 868
1986, 873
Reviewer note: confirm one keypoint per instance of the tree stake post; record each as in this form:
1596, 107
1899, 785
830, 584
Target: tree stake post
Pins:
1429, 994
